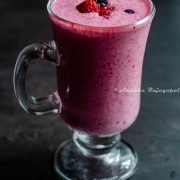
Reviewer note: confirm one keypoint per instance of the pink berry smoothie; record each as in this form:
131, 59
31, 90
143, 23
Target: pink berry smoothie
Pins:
101, 64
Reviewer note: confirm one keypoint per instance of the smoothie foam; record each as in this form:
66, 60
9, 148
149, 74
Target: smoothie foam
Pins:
66, 9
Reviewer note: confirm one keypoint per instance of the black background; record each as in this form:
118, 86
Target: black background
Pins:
27, 143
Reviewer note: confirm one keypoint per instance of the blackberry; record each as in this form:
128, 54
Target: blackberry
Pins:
129, 11
102, 2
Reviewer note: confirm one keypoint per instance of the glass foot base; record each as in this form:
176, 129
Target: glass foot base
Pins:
117, 164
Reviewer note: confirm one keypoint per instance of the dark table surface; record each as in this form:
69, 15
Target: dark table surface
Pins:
28, 143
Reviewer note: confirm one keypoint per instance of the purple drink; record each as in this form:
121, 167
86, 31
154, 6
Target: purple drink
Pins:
99, 66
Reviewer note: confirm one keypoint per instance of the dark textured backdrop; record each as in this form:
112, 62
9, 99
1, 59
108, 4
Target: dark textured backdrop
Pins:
27, 143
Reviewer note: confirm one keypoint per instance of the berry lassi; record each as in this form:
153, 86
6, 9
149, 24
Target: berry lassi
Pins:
101, 50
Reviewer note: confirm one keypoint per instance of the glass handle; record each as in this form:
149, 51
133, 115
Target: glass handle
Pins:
33, 105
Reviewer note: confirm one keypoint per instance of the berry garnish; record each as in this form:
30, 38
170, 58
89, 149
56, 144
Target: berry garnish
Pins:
99, 6
106, 11
129, 11
88, 6
102, 2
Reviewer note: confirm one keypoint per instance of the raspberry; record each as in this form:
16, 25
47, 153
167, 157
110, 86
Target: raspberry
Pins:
88, 6
106, 11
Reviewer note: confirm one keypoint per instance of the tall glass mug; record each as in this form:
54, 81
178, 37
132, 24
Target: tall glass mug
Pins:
99, 73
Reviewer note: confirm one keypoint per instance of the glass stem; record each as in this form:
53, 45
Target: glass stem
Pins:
96, 145
96, 157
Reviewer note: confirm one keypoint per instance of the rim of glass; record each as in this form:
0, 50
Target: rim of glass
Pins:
124, 27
